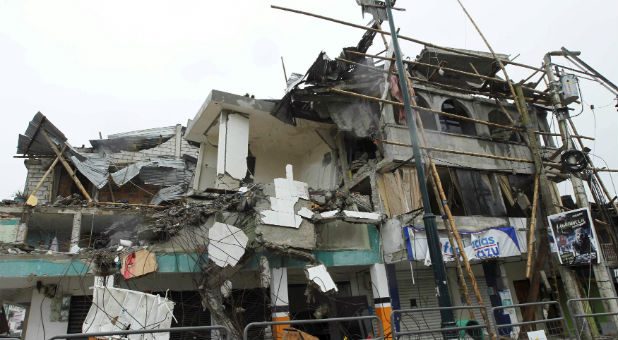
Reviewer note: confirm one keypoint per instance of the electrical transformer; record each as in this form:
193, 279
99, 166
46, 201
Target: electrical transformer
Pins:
569, 91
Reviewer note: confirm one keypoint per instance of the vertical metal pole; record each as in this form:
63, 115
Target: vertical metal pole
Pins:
601, 270
433, 240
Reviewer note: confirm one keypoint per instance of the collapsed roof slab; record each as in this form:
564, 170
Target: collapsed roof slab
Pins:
218, 101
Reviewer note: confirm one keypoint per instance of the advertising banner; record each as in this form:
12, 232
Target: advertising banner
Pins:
574, 237
485, 244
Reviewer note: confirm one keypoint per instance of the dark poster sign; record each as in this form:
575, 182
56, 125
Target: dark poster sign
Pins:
574, 237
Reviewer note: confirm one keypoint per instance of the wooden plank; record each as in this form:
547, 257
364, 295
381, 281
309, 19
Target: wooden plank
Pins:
392, 194
406, 188
382, 192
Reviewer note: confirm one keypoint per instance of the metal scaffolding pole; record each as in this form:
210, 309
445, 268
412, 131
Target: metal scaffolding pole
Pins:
429, 219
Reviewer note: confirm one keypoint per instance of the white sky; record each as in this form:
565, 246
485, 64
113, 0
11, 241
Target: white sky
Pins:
117, 66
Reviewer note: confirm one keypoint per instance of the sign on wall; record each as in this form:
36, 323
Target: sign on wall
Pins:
574, 237
480, 245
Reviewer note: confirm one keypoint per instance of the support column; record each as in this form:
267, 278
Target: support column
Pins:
381, 297
76, 231
280, 306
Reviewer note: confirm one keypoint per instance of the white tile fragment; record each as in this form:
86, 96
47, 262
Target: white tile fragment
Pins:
226, 244
320, 276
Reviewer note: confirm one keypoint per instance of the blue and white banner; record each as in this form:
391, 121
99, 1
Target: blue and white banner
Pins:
479, 245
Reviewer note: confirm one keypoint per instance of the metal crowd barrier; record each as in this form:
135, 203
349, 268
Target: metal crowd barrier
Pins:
577, 317
313, 321
475, 330
146, 331
565, 333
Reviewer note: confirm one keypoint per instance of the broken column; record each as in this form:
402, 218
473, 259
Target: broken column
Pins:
76, 231
381, 296
280, 307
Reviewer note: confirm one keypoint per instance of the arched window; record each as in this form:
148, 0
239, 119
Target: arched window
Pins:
454, 125
500, 134
428, 118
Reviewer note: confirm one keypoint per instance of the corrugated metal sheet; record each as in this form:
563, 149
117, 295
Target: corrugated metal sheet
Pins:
147, 133
95, 168
124, 175
164, 172
134, 140
172, 193
34, 143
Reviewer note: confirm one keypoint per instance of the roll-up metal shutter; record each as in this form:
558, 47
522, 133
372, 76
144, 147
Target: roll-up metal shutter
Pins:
421, 294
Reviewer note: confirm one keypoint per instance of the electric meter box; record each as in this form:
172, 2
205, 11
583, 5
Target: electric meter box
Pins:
569, 91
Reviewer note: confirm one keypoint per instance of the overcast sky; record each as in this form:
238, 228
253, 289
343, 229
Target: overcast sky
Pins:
117, 66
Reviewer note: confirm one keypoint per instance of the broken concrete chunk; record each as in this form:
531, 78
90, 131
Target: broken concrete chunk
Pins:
329, 214
226, 244
264, 268
226, 288
365, 217
306, 213
320, 276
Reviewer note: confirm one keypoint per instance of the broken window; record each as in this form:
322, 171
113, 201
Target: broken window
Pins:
500, 134
481, 193
454, 125
358, 151
516, 193
451, 191
428, 118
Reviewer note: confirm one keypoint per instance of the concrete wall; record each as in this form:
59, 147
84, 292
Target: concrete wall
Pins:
477, 108
36, 169
165, 149
38, 326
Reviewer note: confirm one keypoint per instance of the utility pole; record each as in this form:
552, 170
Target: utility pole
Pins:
601, 271
429, 219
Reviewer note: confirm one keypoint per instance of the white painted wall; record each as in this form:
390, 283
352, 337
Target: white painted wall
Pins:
38, 328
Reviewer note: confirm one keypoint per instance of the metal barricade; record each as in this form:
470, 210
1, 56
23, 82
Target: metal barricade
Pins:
576, 317
561, 332
146, 331
314, 321
473, 329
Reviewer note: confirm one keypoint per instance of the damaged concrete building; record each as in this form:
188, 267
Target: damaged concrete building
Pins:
300, 208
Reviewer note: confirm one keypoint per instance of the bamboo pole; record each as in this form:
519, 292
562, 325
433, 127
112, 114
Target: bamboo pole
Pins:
506, 76
475, 154
354, 94
535, 197
437, 184
557, 134
402, 37
596, 175
506, 113
443, 68
445, 86
133, 205
66, 166
32, 200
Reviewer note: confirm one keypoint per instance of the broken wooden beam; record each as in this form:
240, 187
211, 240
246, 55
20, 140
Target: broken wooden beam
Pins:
66, 166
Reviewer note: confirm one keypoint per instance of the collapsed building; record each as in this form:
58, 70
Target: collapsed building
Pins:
299, 208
